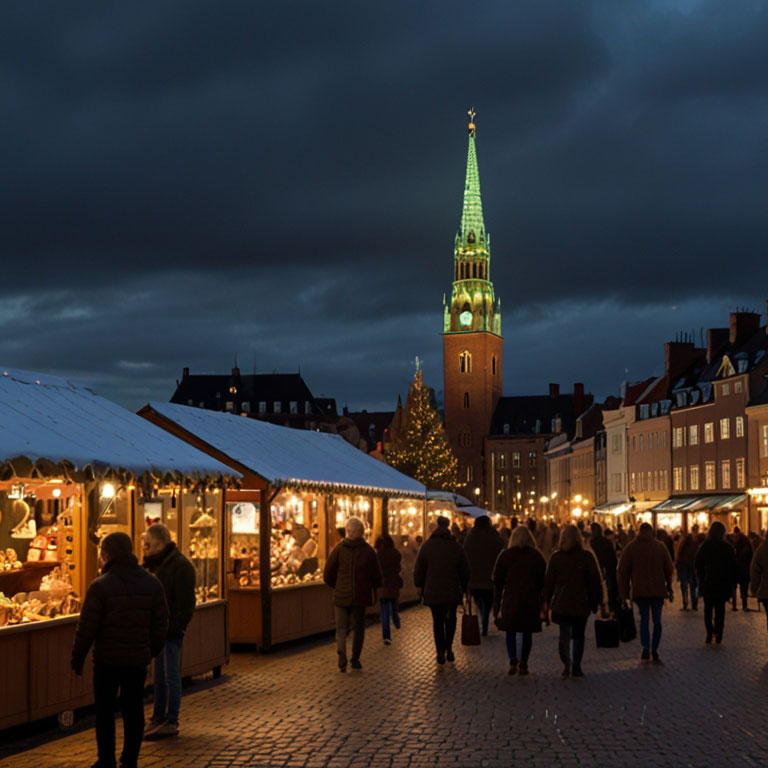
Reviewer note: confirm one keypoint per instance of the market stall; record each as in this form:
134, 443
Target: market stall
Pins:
682, 512
73, 468
299, 488
405, 524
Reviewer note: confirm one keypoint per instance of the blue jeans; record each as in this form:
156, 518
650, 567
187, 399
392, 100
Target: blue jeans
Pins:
650, 607
389, 611
168, 680
572, 629
484, 602
525, 650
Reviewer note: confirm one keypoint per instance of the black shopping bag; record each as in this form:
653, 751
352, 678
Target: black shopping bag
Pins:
470, 626
607, 632
627, 628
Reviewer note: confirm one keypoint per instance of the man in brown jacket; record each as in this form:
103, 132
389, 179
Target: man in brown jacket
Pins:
352, 569
645, 564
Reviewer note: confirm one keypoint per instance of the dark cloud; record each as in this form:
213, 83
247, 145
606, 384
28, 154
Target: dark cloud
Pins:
184, 181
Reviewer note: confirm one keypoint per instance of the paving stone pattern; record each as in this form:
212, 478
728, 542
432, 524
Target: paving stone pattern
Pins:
705, 707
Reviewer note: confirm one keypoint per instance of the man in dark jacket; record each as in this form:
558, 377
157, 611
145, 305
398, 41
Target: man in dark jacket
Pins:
353, 571
177, 575
716, 567
442, 574
125, 618
607, 560
482, 546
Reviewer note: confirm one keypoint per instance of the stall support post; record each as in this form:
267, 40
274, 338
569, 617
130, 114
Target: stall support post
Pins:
385, 516
265, 571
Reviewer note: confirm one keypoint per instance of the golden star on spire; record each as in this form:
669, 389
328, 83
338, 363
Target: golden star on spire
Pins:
471, 112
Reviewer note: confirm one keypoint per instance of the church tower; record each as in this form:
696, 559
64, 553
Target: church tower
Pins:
472, 341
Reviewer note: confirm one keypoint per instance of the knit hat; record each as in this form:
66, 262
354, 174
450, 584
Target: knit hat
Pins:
117, 546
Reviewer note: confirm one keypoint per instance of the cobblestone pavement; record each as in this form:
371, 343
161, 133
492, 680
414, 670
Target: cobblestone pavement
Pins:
705, 707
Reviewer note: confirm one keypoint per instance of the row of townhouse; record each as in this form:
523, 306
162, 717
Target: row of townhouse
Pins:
689, 446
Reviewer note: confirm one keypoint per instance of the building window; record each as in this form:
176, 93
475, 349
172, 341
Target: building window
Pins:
502, 460
616, 480
294, 406
470, 473
201, 404
634, 443
493, 364
262, 406
725, 473
726, 389
641, 443
465, 439
725, 429
616, 443
465, 362
230, 406
739, 426
694, 470
663, 439
740, 479
190, 402
644, 411
693, 434
277, 407
765, 440
678, 437
466, 399
531, 458
709, 432
678, 479
246, 406
648, 481
631, 482
709, 475
516, 459
506, 429
737, 387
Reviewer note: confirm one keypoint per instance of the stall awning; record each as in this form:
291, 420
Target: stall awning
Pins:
613, 508
50, 425
712, 503
287, 457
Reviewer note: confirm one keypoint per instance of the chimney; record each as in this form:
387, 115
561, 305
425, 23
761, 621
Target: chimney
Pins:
554, 390
743, 325
185, 373
678, 356
716, 339
578, 399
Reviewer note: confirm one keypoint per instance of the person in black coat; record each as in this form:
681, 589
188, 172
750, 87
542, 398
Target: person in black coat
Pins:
605, 553
744, 554
519, 579
390, 561
125, 618
441, 573
482, 546
716, 567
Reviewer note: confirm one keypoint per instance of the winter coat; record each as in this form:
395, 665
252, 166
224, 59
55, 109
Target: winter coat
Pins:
482, 547
352, 569
759, 573
124, 616
743, 555
519, 577
717, 570
572, 584
441, 570
177, 575
605, 553
646, 564
390, 564
686, 557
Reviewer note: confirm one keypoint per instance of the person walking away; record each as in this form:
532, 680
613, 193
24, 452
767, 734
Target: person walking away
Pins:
352, 571
482, 546
744, 555
717, 570
666, 540
758, 583
442, 574
645, 573
390, 562
125, 618
621, 536
573, 590
177, 575
605, 553
518, 576
686, 571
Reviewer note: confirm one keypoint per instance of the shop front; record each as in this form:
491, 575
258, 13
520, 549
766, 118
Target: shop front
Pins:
681, 513
299, 488
74, 468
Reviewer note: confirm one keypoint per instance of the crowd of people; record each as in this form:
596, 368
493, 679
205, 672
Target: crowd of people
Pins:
521, 576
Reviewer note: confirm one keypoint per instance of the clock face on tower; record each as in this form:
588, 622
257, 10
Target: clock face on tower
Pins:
465, 318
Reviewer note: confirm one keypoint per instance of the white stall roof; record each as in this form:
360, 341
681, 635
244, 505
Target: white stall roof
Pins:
290, 457
46, 418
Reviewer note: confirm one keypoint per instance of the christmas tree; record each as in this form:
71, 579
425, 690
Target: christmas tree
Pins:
419, 447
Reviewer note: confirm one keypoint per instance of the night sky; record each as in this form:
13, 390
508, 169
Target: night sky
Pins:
187, 181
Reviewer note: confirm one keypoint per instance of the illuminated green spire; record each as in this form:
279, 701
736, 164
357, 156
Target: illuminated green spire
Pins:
472, 229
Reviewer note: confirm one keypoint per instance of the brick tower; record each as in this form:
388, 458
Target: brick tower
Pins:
472, 341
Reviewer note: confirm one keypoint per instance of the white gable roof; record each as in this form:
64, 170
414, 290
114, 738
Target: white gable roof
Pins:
290, 457
49, 418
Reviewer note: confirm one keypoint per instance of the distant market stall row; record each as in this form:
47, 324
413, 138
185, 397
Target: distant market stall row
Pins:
256, 508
